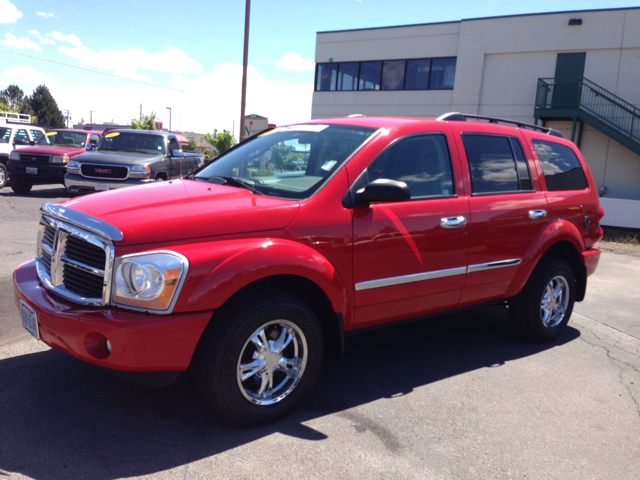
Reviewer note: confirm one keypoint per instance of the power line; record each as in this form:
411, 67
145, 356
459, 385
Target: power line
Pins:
89, 70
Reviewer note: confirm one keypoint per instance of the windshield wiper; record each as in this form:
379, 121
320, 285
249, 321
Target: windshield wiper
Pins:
136, 151
236, 183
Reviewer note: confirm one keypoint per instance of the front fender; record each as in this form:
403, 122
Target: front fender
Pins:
219, 269
557, 231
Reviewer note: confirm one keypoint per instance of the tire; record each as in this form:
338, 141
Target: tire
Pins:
3, 175
20, 185
245, 383
543, 308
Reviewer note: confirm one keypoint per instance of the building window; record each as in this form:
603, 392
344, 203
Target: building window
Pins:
348, 76
370, 74
414, 74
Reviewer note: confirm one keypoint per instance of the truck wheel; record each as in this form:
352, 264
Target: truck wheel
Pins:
20, 185
3, 175
258, 359
543, 308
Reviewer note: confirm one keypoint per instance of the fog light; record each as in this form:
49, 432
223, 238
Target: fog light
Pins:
107, 345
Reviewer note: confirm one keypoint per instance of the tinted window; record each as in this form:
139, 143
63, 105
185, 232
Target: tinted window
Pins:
132, 142
21, 134
491, 163
326, 76
348, 76
173, 145
370, 73
418, 74
393, 75
561, 167
422, 162
443, 73
36, 134
5, 134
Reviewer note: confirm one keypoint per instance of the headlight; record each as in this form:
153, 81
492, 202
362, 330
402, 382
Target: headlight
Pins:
149, 280
14, 155
73, 166
59, 159
140, 171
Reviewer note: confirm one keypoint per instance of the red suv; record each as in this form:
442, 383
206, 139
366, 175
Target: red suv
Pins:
253, 268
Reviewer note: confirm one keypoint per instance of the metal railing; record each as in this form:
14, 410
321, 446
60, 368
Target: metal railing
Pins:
583, 94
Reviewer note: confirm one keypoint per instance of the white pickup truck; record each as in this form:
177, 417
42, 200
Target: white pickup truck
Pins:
15, 129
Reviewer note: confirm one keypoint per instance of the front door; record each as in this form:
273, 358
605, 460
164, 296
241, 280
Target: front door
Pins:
410, 257
568, 80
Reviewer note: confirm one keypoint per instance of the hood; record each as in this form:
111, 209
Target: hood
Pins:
116, 158
183, 209
52, 150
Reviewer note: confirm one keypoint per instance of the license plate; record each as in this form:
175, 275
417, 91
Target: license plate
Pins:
29, 319
102, 186
32, 170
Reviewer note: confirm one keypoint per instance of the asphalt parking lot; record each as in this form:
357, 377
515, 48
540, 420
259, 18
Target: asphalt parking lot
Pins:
458, 396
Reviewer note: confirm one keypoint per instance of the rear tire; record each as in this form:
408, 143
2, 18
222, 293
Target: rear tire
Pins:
20, 184
259, 357
543, 308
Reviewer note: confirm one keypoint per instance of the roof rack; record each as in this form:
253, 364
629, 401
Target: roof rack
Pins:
463, 117
15, 117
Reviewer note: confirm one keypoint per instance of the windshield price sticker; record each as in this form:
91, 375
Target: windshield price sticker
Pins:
305, 128
49, 134
112, 134
328, 165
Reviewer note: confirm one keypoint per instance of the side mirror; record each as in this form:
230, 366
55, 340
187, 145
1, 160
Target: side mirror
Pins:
32, 143
384, 190
89, 146
177, 153
19, 141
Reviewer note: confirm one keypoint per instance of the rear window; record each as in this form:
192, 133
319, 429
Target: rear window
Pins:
561, 167
497, 164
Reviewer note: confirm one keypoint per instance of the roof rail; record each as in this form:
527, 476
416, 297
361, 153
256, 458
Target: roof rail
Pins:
463, 117
15, 117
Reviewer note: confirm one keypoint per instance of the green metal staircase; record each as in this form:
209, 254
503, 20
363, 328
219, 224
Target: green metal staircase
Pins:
579, 99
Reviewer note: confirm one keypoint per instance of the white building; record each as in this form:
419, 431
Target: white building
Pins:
578, 72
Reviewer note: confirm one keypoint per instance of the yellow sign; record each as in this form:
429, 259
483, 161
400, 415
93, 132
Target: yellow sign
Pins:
49, 134
112, 134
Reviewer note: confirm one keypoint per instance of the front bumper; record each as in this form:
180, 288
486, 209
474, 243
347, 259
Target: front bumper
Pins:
140, 342
78, 184
47, 172
590, 259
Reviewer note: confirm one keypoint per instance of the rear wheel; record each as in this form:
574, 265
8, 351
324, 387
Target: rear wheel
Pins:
20, 184
258, 359
543, 308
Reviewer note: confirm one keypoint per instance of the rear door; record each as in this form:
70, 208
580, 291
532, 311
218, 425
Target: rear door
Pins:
410, 257
507, 208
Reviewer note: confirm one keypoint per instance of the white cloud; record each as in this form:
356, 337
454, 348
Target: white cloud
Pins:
8, 12
127, 62
71, 38
46, 41
34, 32
293, 61
25, 76
22, 42
45, 14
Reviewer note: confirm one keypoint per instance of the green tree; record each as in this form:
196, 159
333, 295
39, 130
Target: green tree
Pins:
148, 123
279, 154
45, 108
192, 145
15, 97
4, 105
220, 141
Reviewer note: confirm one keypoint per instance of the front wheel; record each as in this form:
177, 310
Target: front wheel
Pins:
20, 184
543, 308
259, 357
3, 175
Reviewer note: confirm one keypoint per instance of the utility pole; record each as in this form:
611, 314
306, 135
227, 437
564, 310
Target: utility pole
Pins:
169, 108
67, 117
245, 60
140, 112
91, 116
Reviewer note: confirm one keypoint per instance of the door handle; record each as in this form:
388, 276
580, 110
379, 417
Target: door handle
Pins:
453, 222
536, 214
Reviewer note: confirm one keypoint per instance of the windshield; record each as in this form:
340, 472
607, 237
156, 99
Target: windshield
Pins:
5, 134
132, 142
289, 162
69, 139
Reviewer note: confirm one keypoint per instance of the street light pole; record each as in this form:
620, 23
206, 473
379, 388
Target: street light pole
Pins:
169, 108
245, 60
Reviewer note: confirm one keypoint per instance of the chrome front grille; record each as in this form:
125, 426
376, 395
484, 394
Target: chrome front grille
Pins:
73, 262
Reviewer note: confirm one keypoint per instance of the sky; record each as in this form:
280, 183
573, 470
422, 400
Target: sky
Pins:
101, 61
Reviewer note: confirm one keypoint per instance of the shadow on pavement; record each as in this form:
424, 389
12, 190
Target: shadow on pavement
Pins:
62, 418
55, 191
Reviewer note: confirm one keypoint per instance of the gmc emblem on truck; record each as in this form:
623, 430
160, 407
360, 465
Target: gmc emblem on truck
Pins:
103, 170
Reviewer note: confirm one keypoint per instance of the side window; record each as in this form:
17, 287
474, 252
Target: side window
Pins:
21, 134
422, 162
497, 164
94, 139
5, 134
36, 134
561, 167
173, 145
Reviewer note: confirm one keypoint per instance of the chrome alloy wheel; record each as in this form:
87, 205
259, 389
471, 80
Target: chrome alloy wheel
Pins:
272, 362
554, 302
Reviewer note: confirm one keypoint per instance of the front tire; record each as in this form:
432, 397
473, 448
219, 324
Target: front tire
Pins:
20, 184
259, 357
3, 175
543, 308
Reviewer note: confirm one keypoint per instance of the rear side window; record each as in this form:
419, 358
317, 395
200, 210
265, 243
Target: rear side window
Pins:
497, 164
561, 167
421, 161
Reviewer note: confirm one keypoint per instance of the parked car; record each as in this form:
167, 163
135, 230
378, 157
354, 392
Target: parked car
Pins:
45, 161
16, 129
130, 157
250, 276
